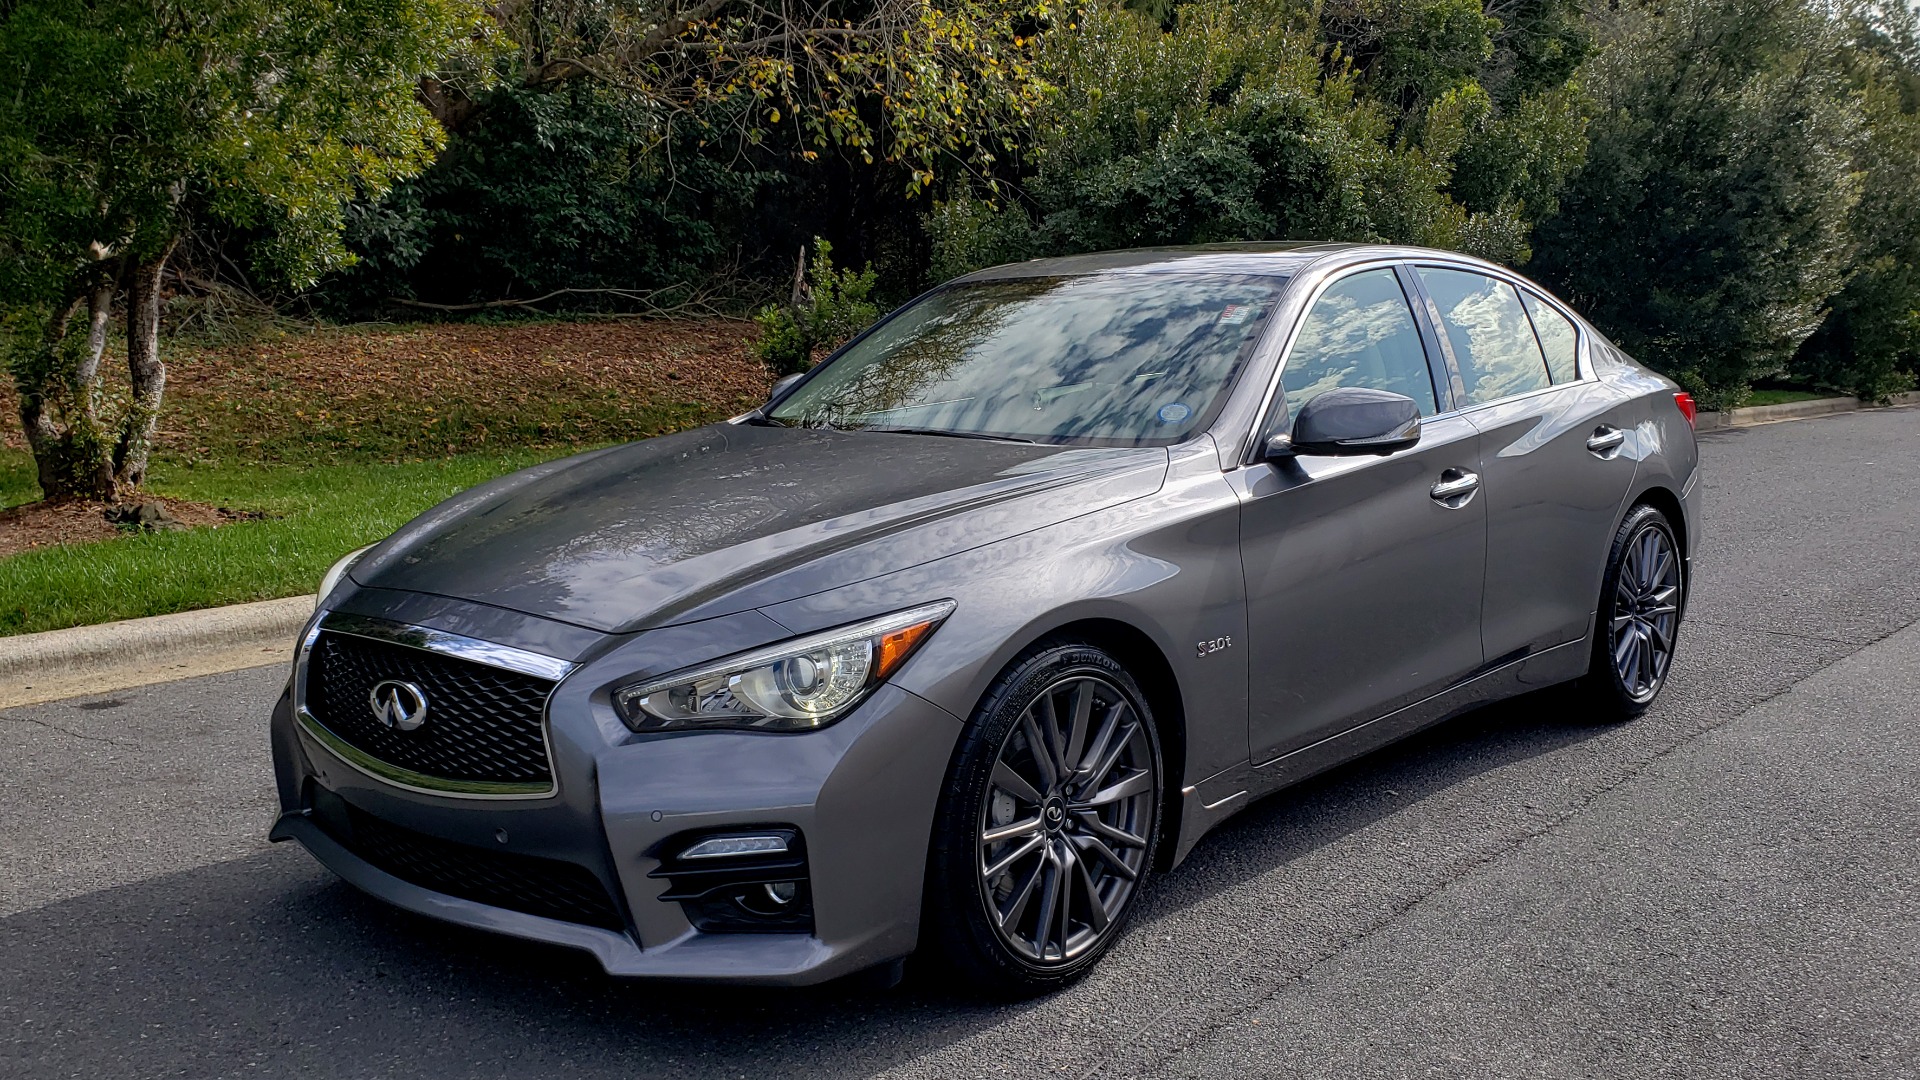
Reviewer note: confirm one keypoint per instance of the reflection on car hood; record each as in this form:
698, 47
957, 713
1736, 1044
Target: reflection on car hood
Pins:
729, 517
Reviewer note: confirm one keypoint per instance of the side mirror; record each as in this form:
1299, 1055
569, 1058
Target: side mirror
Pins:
780, 385
1350, 420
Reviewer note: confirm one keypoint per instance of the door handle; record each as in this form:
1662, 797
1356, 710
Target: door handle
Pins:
1605, 440
1456, 488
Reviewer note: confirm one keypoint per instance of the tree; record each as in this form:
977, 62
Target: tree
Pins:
1227, 127
128, 121
1870, 342
907, 81
1708, 226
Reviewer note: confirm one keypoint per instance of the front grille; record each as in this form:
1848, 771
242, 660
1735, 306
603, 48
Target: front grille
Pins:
550, 888
483, 724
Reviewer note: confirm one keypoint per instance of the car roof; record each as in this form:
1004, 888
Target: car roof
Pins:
1271, 259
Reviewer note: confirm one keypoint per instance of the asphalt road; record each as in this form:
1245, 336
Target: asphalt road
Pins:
1728, 887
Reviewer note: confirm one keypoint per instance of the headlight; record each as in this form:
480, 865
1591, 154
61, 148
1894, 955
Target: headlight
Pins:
796, 685
338, 571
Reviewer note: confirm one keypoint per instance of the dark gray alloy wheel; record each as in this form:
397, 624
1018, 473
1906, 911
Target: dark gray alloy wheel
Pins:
1646, 612
1056, 798
1640, 613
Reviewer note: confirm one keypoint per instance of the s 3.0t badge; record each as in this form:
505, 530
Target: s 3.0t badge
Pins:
401, 706
1214, 645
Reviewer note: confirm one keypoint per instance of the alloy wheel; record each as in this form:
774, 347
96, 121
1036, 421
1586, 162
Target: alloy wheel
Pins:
1646, 611
1064, 825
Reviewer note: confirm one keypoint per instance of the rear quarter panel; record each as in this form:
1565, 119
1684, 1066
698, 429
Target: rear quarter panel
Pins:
1661, 441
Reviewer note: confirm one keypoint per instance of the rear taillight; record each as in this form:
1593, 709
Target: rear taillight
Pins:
1687, 407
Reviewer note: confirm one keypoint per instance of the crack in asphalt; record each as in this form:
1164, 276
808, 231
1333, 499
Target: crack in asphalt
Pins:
1228, 1014
104, 740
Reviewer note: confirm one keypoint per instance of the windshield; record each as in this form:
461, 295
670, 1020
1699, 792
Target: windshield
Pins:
1105, 359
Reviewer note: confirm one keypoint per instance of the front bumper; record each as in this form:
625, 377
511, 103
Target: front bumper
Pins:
862, 794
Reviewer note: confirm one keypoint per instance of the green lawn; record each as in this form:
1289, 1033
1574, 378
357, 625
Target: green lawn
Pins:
342, 434
1781, 397
319, 513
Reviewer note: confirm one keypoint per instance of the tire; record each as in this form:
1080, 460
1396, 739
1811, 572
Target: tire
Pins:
994, 908
1638, 622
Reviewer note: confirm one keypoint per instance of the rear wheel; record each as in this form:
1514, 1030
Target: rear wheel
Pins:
1639, 618
1048, 822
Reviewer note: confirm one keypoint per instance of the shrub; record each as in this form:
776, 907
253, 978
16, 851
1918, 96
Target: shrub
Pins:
1255, 121
544, 190
828, 307
1708, 226
1869, 344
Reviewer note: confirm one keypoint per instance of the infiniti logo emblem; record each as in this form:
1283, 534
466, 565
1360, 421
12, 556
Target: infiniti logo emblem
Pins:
401, 706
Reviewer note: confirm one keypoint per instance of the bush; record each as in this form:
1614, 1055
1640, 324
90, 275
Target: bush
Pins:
828, 307
1252, 121
1708, 226
545, 190
1869, 344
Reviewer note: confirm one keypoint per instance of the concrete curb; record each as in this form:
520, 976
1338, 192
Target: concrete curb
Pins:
117, 655
1792, 410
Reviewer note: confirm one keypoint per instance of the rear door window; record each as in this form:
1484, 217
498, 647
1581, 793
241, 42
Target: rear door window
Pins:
1488, 329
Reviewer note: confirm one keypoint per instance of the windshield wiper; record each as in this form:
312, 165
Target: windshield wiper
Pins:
760, 419
946, 434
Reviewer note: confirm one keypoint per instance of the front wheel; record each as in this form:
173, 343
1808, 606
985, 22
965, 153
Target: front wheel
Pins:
1639, 618
1048, 823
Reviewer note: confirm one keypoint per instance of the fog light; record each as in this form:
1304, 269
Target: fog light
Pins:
719, 847
754, 881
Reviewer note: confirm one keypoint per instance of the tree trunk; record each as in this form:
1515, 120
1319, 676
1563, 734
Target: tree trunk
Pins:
35, 380
85, 421
145, 372
56, 388
99, 314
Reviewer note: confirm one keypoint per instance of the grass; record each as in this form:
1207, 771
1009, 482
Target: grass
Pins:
1757, 398
342, 434
17, 483
320, 513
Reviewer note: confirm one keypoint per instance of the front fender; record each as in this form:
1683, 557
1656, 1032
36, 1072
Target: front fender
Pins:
1167, 565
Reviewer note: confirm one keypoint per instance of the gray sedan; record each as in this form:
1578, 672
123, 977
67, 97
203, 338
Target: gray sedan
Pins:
991, 615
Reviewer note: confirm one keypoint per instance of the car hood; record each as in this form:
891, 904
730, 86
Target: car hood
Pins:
735, 516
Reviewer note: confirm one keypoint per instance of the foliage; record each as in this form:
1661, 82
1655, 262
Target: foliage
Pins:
907, 81
1709, 223
1869, 344
1537, 48
1510, 165
1724, 186
1222, 129
545, 190
1410, 52
828, 307
129, 120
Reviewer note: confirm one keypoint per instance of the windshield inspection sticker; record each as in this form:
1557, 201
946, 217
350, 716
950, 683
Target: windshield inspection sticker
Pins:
1174, 413
1235, 314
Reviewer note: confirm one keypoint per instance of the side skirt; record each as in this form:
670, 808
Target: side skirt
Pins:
1226, 793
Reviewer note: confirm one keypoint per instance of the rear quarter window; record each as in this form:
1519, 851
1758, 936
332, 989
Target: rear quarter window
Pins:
1558, 339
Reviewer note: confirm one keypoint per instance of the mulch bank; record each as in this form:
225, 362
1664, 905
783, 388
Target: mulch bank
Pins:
345, 378
47, 524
